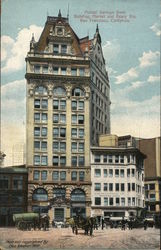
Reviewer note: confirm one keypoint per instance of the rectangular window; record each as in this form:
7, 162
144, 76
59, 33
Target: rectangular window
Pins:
81, 72
55, 70
63, 48
74, 160
55, 160
73, 71
56, 48
152, 186
116, 172
74, 105
81, 160
37, 117
110, 159
81, 147
121, 158
132, 172
18, 182
37, 69
62, 160
37, 160
122, 187
105, 158
62, 118
62, 104
62, 175
122, 173
105, 201
55, 175
55, 104
55, 118
122, 201
98, 172
117, 201
63, 132
81, 176
110, 172
44, 175
44, 131
44, 145
97, 158
74, 176
105, 173
74, 146
36, 175
133, 186
80, 119
63, 71
45, 69
37, 145
111, 201
81, 105
97, 201
44, 160
110, 186
105, 187
37, 103
74, 132
62, 146
116, 186
55, 132
128, 186
97, 187
128, 172
129, 201
44, 117
116, 158
55, 146
74, 119
36, 131
133, 201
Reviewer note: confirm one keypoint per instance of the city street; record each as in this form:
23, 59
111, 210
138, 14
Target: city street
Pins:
63, 238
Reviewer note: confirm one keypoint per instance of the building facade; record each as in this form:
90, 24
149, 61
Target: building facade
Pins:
152, 166
13, 193
117, 179
58, 74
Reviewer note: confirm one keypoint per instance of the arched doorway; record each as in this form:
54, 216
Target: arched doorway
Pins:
78, 201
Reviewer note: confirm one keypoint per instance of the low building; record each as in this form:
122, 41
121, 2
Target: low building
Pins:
152, 165
117, 178
13, 193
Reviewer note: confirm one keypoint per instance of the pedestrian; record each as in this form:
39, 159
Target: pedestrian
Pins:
123, 224
102, 223
145, 224
130, 224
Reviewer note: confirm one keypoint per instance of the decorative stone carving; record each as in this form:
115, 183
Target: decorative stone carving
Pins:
31, 90
68, 90
50, 90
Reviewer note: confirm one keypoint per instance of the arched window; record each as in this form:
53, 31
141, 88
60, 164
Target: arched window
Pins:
78, 195
59, 91
40, 194
41, 90
77, 92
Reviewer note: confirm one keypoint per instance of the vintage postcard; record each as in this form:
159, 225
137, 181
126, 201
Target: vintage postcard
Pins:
80, 124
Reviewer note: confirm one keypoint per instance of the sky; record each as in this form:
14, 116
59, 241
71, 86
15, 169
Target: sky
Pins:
130, 33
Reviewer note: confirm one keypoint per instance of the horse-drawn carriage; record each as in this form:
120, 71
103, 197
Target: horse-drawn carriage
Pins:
28, 221
78, 222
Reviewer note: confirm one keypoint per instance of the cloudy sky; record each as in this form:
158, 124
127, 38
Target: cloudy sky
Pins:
130, 35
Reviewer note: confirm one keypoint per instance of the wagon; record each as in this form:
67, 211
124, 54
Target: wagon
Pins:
28, 221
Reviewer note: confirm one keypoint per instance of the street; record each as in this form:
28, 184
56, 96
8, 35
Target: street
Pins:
63, 238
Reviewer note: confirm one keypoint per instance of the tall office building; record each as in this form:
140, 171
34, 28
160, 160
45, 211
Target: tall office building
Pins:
67, 108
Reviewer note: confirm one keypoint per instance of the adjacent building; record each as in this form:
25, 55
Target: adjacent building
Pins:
117, 177
68, 106
152, 166
13, 193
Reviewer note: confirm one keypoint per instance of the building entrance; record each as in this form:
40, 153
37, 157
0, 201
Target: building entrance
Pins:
59, 214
